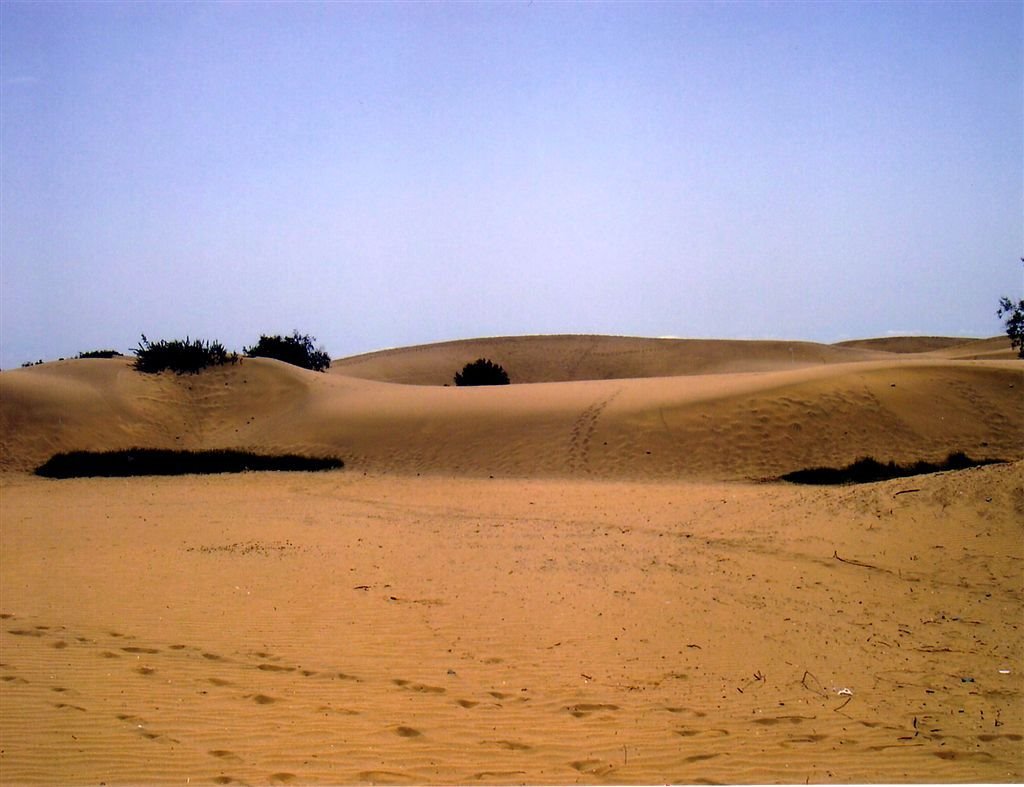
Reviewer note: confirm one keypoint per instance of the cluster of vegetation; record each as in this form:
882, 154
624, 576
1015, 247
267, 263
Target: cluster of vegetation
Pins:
179, 356
869, 470
153, 461
192, 355
1013, 316
101, 354
296, 349
481, 372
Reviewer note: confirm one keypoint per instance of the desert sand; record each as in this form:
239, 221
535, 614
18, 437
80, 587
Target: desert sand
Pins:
591, 576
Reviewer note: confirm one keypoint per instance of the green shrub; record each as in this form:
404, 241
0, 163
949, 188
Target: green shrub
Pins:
481, 372
868, 470
154, 461
296, 349
180, 356
101, 354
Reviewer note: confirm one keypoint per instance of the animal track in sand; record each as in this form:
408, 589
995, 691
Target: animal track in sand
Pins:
407, 732
134, 649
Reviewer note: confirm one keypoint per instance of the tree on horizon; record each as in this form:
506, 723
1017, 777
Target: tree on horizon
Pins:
1012, 315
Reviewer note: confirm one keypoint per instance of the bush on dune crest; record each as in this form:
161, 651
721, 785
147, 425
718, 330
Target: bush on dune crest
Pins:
297, 349
180, 356
868, 470
481, 372
100, 354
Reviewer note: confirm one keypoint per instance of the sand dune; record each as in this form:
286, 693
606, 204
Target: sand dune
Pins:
535, 359
723, 425
588, 583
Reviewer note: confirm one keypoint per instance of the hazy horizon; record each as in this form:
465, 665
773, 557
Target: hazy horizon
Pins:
385, 175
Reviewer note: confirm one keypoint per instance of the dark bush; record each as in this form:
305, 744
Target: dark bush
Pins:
481, 372
101, 354
153, 461
868, 470
180, 356
296, 349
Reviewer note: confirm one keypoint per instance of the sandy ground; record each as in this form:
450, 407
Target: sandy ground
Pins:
626, 600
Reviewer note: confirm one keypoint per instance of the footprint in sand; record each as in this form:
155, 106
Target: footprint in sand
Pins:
260, 699
136, 649
717, 733
772, 720
510, 745
384, 777
420, 687
584, 709
592, 767
67, 706
224, 754
695, 713
700, 757
407, 732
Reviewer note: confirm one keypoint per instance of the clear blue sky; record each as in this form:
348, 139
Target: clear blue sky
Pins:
391, 174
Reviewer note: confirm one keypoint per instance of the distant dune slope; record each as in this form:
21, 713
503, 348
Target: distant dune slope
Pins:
725, 425
994, 348
540, 359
